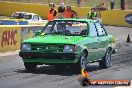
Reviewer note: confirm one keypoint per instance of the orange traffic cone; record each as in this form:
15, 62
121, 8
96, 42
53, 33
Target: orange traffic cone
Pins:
84, 73
84, 80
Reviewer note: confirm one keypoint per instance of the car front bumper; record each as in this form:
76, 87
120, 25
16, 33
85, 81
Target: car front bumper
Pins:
49, 58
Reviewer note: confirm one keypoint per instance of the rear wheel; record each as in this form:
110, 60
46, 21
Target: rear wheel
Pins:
106, 61
30, 66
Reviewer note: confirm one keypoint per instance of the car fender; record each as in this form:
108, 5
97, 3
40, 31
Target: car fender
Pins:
112, 43
110, 46
83, 47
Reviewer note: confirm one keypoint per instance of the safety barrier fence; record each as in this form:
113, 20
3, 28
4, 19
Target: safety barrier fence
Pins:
12, 35
20, 22
117, 17
8, 8
12, 22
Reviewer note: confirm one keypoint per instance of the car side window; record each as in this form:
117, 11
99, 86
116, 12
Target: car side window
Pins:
93, 31
48, 27
36, 17
100, 29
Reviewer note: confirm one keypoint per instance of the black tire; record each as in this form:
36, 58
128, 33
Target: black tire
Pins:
82, 61
78, 66
30, 66
106, 60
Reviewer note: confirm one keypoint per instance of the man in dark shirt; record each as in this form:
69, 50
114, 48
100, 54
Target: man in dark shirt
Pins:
61, 9
112, 3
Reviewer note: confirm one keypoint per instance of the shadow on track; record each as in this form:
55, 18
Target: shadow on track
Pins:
63, 71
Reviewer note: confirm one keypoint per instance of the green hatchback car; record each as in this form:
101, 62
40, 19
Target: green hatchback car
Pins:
73, 42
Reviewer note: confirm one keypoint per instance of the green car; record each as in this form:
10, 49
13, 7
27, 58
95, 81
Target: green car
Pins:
73, 42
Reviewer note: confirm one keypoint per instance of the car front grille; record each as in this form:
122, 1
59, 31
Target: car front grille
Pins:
47, 47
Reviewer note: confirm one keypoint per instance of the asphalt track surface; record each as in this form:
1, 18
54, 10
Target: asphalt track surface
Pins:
13, 74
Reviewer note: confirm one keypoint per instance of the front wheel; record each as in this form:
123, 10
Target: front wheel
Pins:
106, 61
83, 60
30, 66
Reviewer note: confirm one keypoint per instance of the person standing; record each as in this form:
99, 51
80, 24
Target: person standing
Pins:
122, 4
112, 3
78, 2
52, 12
68, 13
92, 14
61, 9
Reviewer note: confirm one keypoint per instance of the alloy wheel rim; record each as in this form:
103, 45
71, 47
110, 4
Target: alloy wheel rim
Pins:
83, 62
108, 59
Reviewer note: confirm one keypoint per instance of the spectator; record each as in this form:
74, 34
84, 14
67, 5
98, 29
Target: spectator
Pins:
78, 2
61, 9
92, 14
122, 4
101, 7
69, 13
112, 3
52, 12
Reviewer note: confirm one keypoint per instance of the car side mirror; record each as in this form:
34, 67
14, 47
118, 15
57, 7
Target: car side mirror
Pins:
37, 33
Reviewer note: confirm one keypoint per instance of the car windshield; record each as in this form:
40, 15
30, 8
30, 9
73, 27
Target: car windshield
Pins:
21, 16
66, 27
17, 16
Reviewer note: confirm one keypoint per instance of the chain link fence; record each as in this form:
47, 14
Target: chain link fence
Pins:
86, 3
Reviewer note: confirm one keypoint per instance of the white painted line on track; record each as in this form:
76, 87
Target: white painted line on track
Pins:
9, 53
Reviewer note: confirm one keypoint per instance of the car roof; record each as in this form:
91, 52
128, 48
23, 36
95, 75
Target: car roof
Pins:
20, 12
26, 13
77, 19
31, 13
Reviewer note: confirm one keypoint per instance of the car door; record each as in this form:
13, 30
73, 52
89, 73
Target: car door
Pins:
93, 43
103, 37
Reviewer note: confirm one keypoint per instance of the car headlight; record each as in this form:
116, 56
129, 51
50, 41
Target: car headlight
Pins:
26, 47
69, 48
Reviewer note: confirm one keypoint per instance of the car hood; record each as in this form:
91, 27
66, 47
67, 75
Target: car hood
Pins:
55, 39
